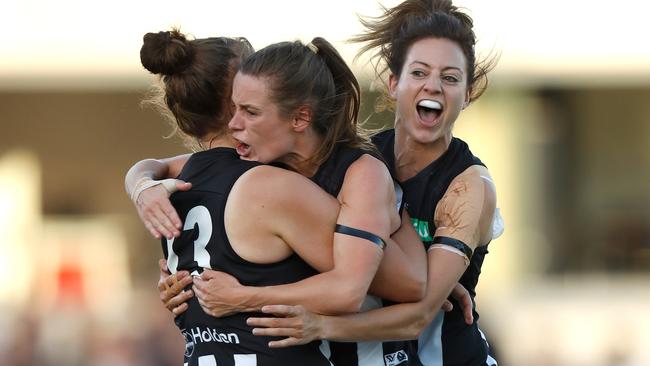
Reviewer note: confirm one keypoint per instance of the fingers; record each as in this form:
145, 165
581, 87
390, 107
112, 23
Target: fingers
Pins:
164, 224
171, 214
171, 286
208, 274
271, 323
175, 304
274, 332
182, 185
151, 228
281, 310
447, 306
164, 271
199, 285
467, 310
180, 309
288, 342
200, 288
157, 212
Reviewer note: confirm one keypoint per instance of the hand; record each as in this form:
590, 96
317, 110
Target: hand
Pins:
219, 293
298, 324
171, 288
460, 294
156, 211
447, 306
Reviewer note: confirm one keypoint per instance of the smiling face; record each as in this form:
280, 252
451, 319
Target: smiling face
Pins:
262, 133
431, 90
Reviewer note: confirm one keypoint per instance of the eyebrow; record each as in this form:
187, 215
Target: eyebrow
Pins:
429, 66
243, 105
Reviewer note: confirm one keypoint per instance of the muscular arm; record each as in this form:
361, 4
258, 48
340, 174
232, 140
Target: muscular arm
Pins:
401, 276
367, 201
461, 214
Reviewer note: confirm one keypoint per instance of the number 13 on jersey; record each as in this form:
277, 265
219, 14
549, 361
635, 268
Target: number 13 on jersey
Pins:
200, 218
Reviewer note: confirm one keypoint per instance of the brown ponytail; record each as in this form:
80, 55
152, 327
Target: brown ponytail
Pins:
315, 75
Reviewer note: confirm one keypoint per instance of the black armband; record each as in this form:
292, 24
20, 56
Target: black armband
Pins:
454, 243
346, 230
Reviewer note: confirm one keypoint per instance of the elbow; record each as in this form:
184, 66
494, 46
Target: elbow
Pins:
353, 300
416, 290
345, 301
419, 323
412, 290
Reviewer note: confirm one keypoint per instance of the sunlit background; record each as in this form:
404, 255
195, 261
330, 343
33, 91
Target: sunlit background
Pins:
564, 129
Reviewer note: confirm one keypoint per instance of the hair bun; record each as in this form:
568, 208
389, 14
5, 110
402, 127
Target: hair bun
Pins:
166, 53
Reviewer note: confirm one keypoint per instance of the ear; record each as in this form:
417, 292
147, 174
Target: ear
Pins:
467, 98
392, 86
302, 118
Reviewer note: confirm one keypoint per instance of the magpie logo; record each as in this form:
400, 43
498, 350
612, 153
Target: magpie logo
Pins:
396, 358
189, 344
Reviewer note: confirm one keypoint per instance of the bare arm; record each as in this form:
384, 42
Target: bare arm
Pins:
402, 274
152, 204
367, 202
461, 214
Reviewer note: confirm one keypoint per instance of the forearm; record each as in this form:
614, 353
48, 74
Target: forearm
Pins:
399, 278
396, 322
346, 297
402, 273
401, 321
148, 168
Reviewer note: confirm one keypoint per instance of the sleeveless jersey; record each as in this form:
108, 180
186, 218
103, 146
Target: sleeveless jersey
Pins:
447, 340
226, 341
329, 177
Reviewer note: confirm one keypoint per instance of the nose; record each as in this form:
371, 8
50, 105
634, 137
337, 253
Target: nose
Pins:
433, 84
235, 123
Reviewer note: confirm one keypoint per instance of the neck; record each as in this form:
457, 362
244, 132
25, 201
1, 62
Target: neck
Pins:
213, 141
305, 147
412, 156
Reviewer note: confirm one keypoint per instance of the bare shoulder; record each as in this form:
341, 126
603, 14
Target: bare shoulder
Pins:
476, 178
368, 177
467, 205
368, 191
266, 183
368, 169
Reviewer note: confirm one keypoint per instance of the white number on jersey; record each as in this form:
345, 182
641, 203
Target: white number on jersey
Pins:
240, 360
200, 216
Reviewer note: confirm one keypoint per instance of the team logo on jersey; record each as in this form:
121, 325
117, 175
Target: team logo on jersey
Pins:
396, 358
422, 227
189, 344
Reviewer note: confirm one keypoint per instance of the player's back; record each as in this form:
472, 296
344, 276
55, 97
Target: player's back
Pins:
203, 243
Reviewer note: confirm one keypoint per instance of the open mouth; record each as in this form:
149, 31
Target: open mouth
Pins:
429, 111
242, 149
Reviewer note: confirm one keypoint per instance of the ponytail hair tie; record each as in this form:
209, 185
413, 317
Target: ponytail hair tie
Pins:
312, 47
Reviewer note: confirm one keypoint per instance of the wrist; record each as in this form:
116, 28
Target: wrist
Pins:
326, 326
139, 186
323, 327
248, 299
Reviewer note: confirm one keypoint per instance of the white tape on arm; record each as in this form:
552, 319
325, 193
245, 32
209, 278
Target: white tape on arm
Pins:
145, 183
